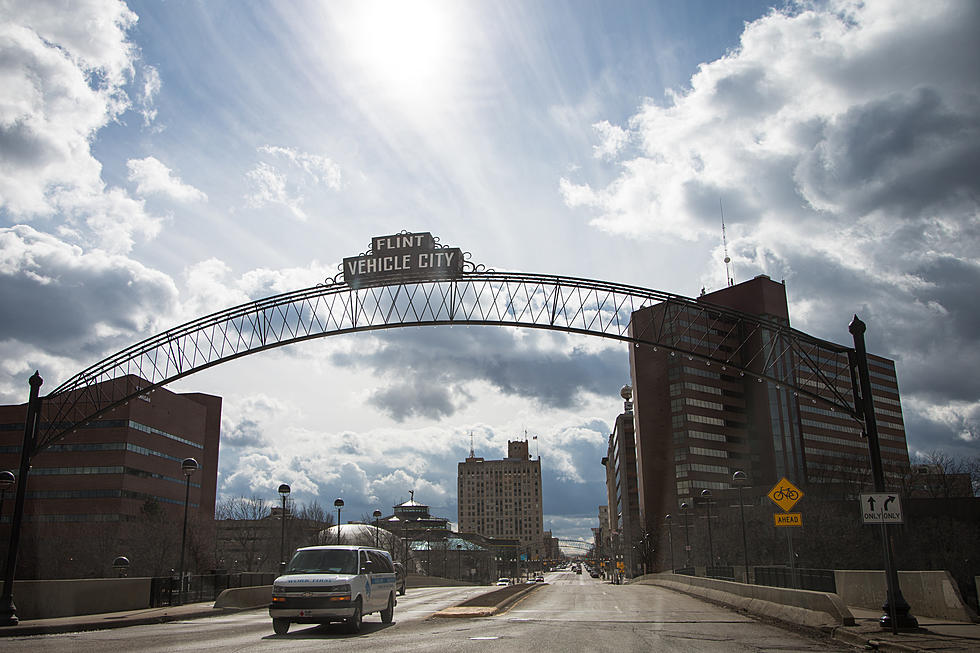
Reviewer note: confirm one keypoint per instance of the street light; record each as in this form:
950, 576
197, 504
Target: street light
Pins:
740, 479
670, 539
283, 492
687, 536
377, 515
339, 503
121, 565
706, 495
459, 561
188, 466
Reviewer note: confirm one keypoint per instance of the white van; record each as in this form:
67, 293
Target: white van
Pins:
334, 583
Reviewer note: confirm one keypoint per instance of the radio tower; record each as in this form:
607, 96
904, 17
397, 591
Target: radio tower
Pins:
724, 241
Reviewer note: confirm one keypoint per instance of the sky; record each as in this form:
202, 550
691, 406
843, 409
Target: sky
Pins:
162, 160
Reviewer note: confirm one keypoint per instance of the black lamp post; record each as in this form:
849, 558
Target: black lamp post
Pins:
284, 493
459, 561
687, 536
188, 466
377, 515
740, 479
338, 504
670, 539
706, 495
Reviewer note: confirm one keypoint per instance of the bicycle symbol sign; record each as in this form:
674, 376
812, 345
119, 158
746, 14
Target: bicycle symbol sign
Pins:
785, 495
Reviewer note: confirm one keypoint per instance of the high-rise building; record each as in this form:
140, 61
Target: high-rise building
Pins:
502, 498
696, 424
625, 529
115, 487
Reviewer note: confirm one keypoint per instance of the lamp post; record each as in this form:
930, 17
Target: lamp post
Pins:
188, 466
706, 495
670, 539
338, 504
377, 515
283, 492
459, 561
687, 536
740, 479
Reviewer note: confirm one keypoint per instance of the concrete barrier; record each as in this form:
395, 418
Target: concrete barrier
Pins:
245, 597
796, 606
929, 593
45, 599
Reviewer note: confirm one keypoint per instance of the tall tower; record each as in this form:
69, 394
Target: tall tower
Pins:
502, 498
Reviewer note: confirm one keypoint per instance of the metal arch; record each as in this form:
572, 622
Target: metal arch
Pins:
739, 344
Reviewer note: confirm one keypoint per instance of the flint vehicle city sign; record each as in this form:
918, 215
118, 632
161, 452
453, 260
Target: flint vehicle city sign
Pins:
401, 257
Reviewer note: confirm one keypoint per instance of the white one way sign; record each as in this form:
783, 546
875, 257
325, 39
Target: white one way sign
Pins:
881, 509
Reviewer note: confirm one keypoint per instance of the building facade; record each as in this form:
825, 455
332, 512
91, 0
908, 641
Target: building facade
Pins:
625, 530
115, 487
696, 424
502, 498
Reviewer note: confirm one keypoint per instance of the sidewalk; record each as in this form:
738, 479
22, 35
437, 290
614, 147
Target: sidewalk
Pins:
933, 634
113, 619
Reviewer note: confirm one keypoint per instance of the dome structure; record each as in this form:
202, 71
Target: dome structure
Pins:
359, 535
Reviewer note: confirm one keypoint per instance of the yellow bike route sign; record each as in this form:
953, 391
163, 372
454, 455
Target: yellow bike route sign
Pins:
785, 495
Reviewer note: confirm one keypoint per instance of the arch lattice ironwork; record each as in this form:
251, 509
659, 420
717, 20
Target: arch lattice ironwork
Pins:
736, 343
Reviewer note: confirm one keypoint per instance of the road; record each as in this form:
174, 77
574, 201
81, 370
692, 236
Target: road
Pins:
572, 613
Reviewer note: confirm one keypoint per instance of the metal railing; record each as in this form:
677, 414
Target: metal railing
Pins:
165, 590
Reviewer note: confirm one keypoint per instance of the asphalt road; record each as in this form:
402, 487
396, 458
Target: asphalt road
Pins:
572, 613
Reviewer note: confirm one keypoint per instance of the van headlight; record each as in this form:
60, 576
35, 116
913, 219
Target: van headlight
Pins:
278, 590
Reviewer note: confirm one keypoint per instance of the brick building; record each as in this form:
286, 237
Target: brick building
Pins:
115, 487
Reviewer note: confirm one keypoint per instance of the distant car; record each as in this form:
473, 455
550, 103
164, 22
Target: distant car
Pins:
400, 578
539, 579
503, 581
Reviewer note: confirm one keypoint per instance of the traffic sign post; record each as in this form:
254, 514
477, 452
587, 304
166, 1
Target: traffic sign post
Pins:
786, 495
881, 508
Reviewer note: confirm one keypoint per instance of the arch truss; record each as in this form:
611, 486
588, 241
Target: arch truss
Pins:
734, 343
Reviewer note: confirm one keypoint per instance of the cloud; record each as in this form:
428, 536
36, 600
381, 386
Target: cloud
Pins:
842, 141
64, 79
435, 366
152, 177
612, 139
76, 303
289, 178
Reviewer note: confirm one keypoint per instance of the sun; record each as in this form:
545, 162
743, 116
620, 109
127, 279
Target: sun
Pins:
402, 45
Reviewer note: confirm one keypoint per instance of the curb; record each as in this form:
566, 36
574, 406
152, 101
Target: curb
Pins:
470, 612
28, 629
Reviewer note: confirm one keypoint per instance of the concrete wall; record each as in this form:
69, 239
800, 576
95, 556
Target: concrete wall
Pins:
245, 597
928, 593
43, 599
794, 606
416, 580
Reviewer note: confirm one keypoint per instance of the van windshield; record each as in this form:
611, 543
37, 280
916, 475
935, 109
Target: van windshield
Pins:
327, 561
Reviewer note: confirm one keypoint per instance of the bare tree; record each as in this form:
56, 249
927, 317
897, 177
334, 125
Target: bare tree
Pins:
243, 532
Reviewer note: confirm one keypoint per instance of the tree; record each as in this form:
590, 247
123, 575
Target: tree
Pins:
243, 533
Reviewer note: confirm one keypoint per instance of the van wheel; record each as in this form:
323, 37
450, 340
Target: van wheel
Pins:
354, 621
280, 626
388, 613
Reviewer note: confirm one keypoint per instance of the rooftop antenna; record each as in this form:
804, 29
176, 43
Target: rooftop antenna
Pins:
537, 451
729, 268
472, 455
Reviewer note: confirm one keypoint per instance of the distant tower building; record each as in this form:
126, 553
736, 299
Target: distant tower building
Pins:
697, 424
502, 498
